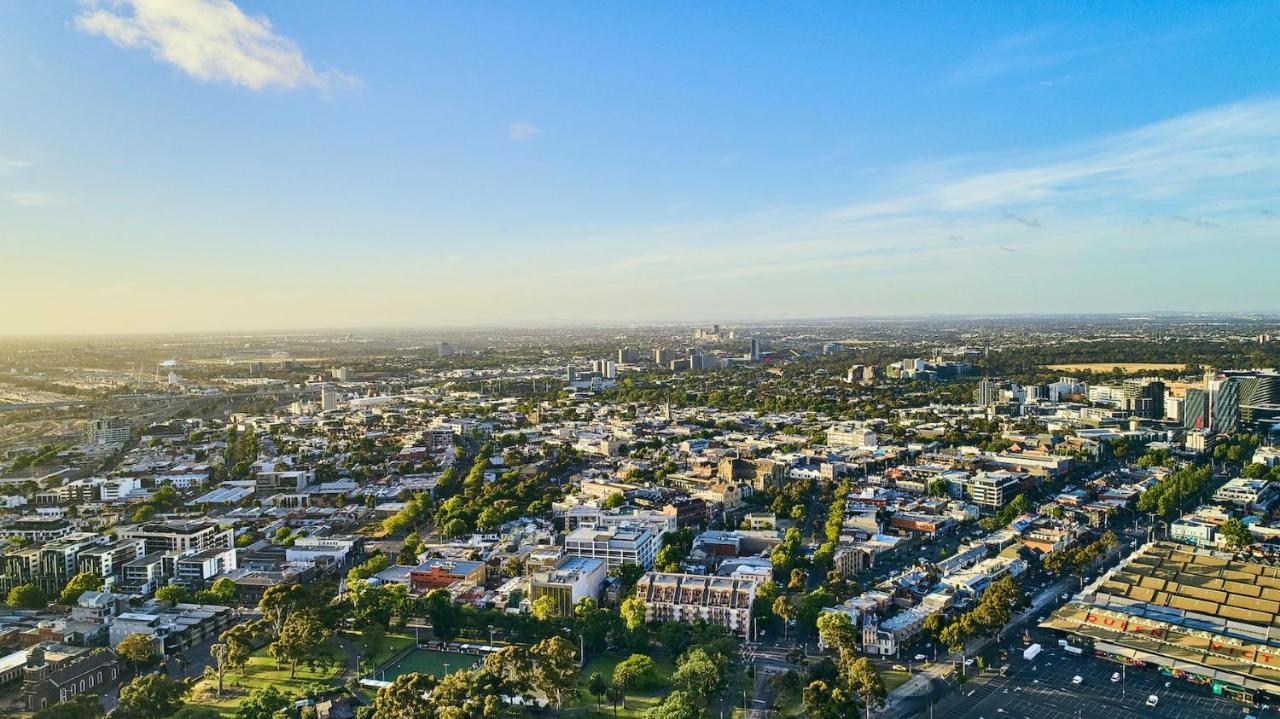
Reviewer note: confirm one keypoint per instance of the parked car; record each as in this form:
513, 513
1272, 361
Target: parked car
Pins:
1152, 700
1115, 677
919, 657
1077, 679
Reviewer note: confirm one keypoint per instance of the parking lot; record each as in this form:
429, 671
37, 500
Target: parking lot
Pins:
1043, 689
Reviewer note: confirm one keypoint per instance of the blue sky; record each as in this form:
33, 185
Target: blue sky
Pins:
207, 165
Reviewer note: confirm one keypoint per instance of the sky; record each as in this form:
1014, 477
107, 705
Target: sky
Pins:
205, 165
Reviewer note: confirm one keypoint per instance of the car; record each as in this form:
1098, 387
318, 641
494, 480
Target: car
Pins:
968, 662
919, 657
1152, 700
1115, 677
1077, 679
899, 668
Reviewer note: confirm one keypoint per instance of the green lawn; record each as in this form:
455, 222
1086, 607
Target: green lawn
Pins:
426, 661
261, 671
638, 700
391, 645
894, 678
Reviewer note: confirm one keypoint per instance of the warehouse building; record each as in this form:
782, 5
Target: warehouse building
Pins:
1206, 616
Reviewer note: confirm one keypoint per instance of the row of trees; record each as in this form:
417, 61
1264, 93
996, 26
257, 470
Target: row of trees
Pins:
1074, 559
1175, 490
986, 619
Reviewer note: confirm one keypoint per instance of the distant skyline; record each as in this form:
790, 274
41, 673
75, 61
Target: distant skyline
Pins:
210, 166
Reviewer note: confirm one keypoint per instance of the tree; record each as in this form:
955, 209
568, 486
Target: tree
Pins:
616, 696
300, 640
151, 696
222, 591
613, 501
443, 614
138, 649
836, 630
173, 593
865, 681
545, 608
373, 605
406, 698
597, 685
676, 705
628, 573
555, 668
785, 610
80, 706
1236, 534
697, 674
79, 584
26, 596
262, 703
823, 701
633, 612
636, 670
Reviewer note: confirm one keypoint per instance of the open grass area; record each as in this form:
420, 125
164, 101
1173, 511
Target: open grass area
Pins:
427, 661
894, 678
261, 671
1127, 367
389, 646
638, 700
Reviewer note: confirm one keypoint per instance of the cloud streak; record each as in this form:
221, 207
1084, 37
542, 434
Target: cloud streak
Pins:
521, 131
209, 40
36, 199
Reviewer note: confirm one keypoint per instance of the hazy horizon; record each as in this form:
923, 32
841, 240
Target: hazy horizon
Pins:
215, 166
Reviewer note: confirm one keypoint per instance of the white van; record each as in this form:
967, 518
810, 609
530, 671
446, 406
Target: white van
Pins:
1152, 700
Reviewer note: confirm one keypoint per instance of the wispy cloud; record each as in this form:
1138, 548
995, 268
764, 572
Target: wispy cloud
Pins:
36, 199
1231, 152
1022, 220
521, 131
9, 164
1193, 222
210, 40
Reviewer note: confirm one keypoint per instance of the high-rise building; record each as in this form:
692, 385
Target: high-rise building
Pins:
663, 356
987, 392
328, 398
627, 355
610, 369
109, 430
1195, 409
343, 374
444, 349
1144, 397
756, 350
569, 373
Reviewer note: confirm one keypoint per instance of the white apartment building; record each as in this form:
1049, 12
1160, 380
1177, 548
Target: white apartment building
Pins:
180, 536
1248, 494
687, 598
615, 545
846, 435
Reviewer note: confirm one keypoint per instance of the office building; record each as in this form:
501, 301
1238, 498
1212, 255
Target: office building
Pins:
439, 573
444, 349
615, 545
572, 579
